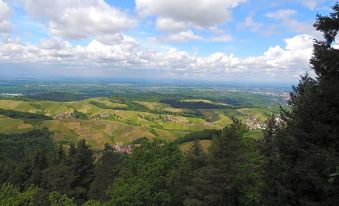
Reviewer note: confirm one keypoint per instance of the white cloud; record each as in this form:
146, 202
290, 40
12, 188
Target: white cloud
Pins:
77, 19
302, 41
290, 23
169, 25
188, 35
251, 24
5, 13
312, 4
221, 38
125, 52
281, 14
183, 36
202, 13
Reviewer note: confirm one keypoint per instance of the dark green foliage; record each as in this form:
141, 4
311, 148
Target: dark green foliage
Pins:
80, 115
196, 156
19, 146
39, 163
191, 105
57, 178
82, 164
156, 173
33, 159
23, 156
230, 176
107, 169
60, 96
145, 175
206, 134
23, 115
270, 164
101, 105
304, 151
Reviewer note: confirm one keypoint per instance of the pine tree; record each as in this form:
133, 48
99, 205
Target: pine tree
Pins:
307, 144
218, 183
39, 163
107, 170
71, 153
196, 156
268, 150
83, 171
60, 156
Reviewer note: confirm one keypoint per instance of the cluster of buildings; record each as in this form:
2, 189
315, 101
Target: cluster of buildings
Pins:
102, 116
63, 115
254, 123
122, 149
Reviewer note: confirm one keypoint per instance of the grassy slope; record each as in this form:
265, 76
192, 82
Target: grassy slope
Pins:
160, 120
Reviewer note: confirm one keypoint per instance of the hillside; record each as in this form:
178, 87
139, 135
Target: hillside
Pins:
103, 120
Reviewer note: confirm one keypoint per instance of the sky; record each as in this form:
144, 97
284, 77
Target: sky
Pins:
217, 40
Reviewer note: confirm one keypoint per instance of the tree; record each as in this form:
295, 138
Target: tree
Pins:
60, 156
39, 163
269, 166
145, 176
229, 173
196, 156
82, 164
57, 178
10, 195
306, 145
107, 169
56, 199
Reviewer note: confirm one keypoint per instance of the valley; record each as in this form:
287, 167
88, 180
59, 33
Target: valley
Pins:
120, 113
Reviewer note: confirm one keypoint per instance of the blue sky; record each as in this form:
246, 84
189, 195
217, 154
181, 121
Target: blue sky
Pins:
224, 40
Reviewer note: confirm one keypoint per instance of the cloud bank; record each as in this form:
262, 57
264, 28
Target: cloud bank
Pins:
121, 51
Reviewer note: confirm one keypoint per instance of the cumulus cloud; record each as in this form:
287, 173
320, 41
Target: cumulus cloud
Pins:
125, 52
5, 13
79, 19
170, 25
202, 13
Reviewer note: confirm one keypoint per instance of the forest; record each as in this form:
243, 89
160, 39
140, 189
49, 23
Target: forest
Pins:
296, 162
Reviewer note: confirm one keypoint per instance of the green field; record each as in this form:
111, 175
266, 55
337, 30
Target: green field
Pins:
121, 113
104, 125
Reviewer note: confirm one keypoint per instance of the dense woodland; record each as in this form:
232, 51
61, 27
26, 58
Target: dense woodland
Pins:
296, 163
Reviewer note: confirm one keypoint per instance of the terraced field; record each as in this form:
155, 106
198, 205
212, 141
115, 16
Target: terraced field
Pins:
113, 112
103, 120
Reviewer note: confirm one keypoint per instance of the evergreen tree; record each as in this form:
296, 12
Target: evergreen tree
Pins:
39, 163
57, 178
60, 156
71, 153
83, 171
107, 169
223, 181
270, 166
196, 156
307, 144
